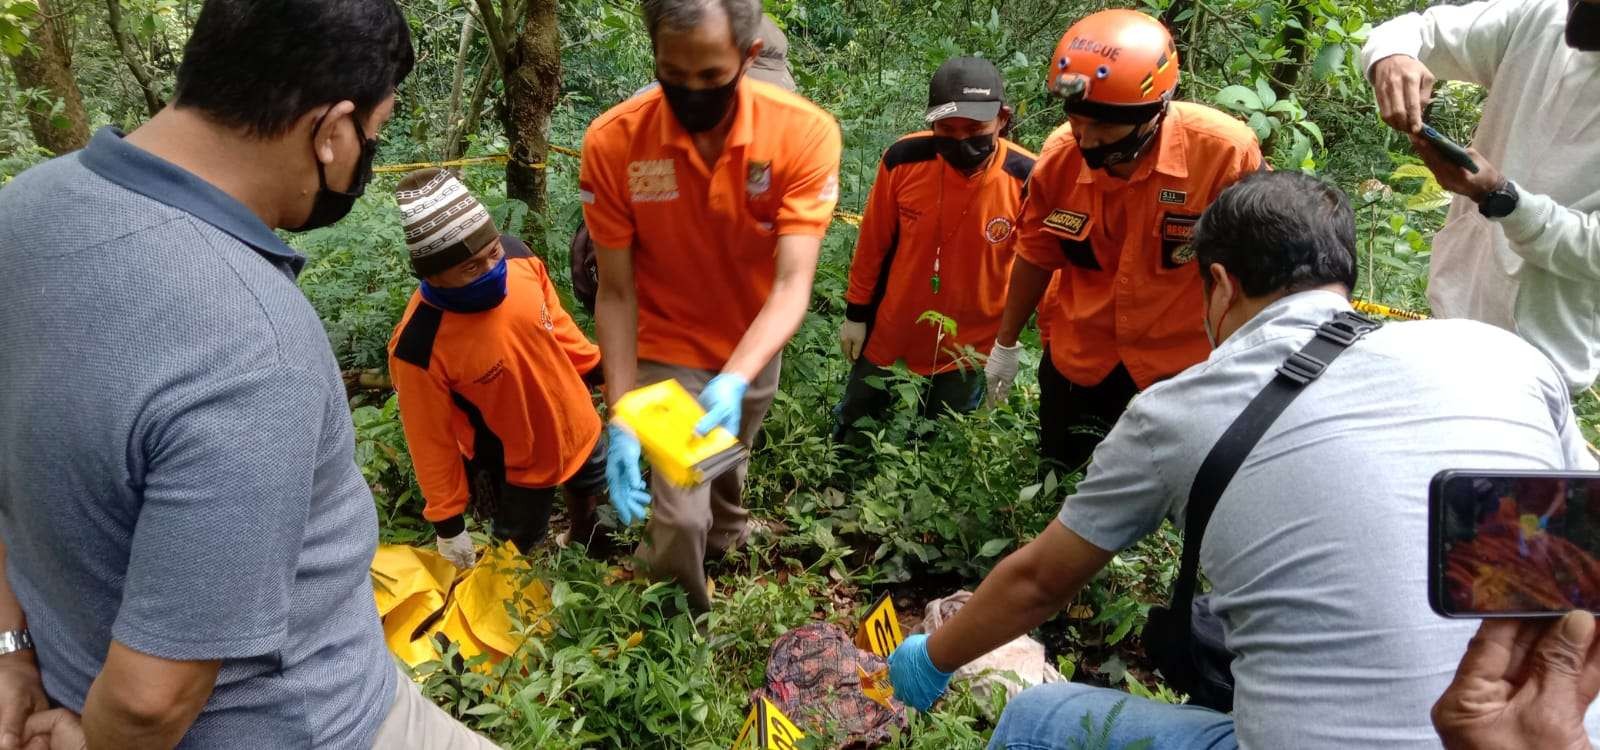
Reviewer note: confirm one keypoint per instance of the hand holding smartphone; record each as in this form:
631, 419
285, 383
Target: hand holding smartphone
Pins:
1514, 544
1453, 152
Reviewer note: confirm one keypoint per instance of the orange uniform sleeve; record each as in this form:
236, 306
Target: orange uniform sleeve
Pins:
425, 415
1035, 244
606, 208
585, 355
1249, 161
880, 222
813, 190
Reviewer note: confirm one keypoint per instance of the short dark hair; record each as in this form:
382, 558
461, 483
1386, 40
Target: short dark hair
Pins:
744, 17
259, 65
1279, 232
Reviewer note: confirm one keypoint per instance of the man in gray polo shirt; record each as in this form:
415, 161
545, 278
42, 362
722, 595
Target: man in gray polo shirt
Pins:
1317, 549
185, 530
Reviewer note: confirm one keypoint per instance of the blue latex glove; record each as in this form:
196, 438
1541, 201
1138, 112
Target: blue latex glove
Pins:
917, 683
723, 399
628, 493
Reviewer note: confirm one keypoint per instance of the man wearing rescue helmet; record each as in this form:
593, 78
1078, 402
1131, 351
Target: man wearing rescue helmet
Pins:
1111, 204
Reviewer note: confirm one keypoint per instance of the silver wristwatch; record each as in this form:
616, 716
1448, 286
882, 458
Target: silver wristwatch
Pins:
12, 641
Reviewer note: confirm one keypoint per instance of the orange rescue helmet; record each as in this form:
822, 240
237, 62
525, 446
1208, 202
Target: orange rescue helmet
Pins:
1116, 66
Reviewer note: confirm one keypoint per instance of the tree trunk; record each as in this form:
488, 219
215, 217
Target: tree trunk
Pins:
532, 85
1287, 72
1180, 30
453, 125
473, 116
152, 95
45, 64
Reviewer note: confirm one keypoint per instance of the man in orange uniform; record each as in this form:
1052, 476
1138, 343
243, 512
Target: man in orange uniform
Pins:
491, 373
938, 235
707, 198
1112, 202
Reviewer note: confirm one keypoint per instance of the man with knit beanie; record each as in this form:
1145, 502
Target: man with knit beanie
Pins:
494, 377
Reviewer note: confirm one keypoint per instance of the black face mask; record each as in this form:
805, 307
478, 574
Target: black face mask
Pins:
699, 110
331, 205
965, 154
1583, 26
1120, 151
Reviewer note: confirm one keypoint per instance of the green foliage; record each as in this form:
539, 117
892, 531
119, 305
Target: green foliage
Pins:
1272, 118
14, 16
928, 506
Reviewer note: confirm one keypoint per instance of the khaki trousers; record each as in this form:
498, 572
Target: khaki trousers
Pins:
685, 523
414, 723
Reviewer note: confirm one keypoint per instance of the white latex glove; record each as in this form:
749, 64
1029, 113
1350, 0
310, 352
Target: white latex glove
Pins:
851, 338
458, 550
1001, 371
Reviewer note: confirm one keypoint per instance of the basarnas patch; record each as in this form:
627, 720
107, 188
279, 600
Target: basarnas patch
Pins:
997, 230
759, 178
1177, 236
1070, 222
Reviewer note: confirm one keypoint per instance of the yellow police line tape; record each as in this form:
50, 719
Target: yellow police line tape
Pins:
853, 219
1374, 308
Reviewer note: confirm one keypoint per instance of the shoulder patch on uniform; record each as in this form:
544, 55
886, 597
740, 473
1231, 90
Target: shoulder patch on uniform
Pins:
415, 345
909, 151
1070, 222
514, 247
1018, 165
1173, 197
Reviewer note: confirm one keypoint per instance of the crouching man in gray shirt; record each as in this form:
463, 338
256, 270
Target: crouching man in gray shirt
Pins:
1317, 549
185, 530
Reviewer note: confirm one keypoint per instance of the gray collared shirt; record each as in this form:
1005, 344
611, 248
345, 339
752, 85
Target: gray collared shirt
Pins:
177, 469
1317, 551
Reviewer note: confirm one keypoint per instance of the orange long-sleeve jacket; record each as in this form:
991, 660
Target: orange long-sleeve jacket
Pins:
925, 219
520, 366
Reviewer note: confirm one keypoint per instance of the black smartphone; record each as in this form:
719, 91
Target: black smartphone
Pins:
1513, 544
1451, 150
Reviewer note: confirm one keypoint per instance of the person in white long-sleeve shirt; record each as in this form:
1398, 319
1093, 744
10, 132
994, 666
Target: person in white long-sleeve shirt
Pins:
1522, 250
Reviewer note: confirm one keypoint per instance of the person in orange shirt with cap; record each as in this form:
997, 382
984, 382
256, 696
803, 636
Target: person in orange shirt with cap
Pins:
1111, 205
938, 235
493, 376
707, 198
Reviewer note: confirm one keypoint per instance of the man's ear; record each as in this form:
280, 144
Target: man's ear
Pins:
754, 52
1006, 113
323, 126
1217, 278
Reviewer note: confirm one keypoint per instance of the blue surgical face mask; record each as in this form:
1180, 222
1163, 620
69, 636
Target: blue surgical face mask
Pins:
484, 294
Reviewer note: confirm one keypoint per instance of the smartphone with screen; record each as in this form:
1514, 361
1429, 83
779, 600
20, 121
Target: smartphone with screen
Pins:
1451, 150
1513, 544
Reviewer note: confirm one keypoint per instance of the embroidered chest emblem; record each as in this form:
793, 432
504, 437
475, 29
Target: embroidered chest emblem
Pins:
653, 181
758, 178
997, 230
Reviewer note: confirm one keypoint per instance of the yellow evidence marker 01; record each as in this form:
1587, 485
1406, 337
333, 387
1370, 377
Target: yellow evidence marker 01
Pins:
768, 729
663, 417
880, 630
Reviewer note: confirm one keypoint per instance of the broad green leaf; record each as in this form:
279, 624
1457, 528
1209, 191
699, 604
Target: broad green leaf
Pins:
1260, 124
1330, 61
1239, 99
1412, 170
1267, 95
1314, 130
993, 547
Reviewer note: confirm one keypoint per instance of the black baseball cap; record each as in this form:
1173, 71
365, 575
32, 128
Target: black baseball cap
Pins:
969, 87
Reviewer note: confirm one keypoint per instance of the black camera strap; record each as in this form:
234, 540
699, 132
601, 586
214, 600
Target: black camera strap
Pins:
1300, 370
